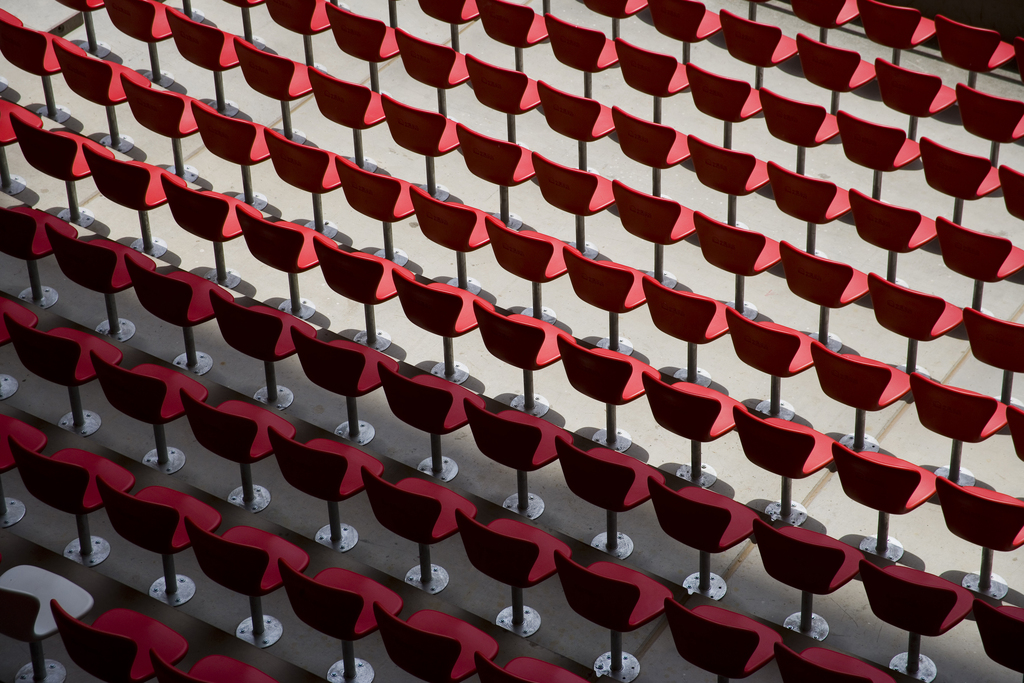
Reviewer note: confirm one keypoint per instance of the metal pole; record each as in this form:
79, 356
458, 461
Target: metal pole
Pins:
686, 53
656, 182
979, 291
191, 358
431, 182
612, 542
522, 491
219, 263
519, 61
5, 172
348, 656
993, 156
77, 412
518, 609
318, 213
812, 237
911, 356
914, 653
528, 403
786, 502
154, 62
835, 103
758, 73
912, 128
738, 297
449, 357
691, 362
425, 573
112, 320
955, 456
334, 515
659, 262
581, 234
823, 313
51, 104
115, 133
985, 575
35, 648
286, 120
704, 577
503, 208
75, 214
806, 610
442, 102
371, 325
218, 87
307, 48
615, 28
510, 124
609, 421
776, 396
460, 266
147, 235
876, 186
455, 37
1006, 395
695, 460
958, 211
256, 609
732, 210
972, 79
84, 537
890, 270
616, 653
271, 373
613, 332
588, 85
657, 109
582, 147
250, 196
353, 415
160, 436
858, 430
293, 293
170, 576
389, 245
374, 75
33, 281
436, 465
357, 147
896, 56
248, 495
727, 135
247, 26
882, 539
538, 313
801, 159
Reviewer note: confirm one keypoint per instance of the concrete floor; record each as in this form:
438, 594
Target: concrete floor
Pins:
565, 638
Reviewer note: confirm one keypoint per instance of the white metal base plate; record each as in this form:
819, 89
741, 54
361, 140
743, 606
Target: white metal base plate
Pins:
124, 145
260, 501
530, 625
461, 372
305, 313
15, 513
383, 340
55, 673
102, 48
437, 583
272, 631
749, 310
259, 200
966, 477
472, 284
284, 397
716, 586
589, 249
546, 314
230, 282
534, 508
926, 670
62, 115
348, 540
623, 549
625, 346
630, 667
203, 363
330, 228
893, 548
902, 367
449, 468
191, 173
365, 435
16, 187
786, 411
540, 405
870, 443
8, 386
819, 627
175, 461
100, 552
797, 513
835, 344
92, 423
707, 477
125, 332
186, 589
166, 79
621, 443
364, 672
703, 377
49, 297
998, 588
158, 250
401, 258
85, 217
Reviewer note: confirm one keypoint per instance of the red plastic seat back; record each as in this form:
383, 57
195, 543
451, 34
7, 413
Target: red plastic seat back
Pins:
317, 472
138, 395
655, 219
909, 92
360, 36
363, 278
496, 161
349, 104
409, 514
204, 45
341, 366
717, 640
500, 556
798, 123
374, 195
689, 410
602, 378
143, 20
57, 154
651, 73
725, 99
132, 184
426, 655
458, 12
437, 308
282, 246
108, 656
511, 340
825, 13
24, 234
229, 436
235, 140
26, 318
683, 20
144, 523
955, 173
601, 477
770, 349
29, 50
880, 482
51, 355
954, 412
978, 255
648, 143
504, 90
904, 311
852, 380
995, 342
724, 522
95, 80
162, 111
306, 17
605, 284
970, 47
424, 405
61, 485
581, 48
687, 316
454, 226
1013, 191
9, 109
172, 299
804, 559
869, 144
602, 600
571, 190
819, 280
510, 23
804, 197
885, 225
987, 518
507, 438
990, 117
93, 264
278, 78
307, 168
818, 665
724, 170
828, 66
732, 249
894, 26
774, 445
418, 130
330, 609
206, 214
1001, 628
914, 600
257, 331
532, 256
236, 566
752, 42
438, 66
572, 116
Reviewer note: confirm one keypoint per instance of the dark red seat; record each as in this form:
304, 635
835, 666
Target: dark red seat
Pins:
443, 310
727, 644
959, 175
458, 227
809, 199
993, 520
787, 449
262, 333
890, 227
978, 255
811, 562
820, 665
431, 404
32, 51
309, 169
727, 171
762, 45
238, 141
209, 669
24, 237
833, 68
66, 481
247, 560
694, 412
381, 197
339, 603
875, 146
581, 48
59, 155
707, 521
739, 251
365, 38
605, 376
532, 256
434, 646
209, 216
329, 471
520, 441
996, 119
422, 132
504, 164
651, 144
286, 247
181, 299
861, 383
62, 356
12, 185
956, 414
609, 286
577, 118
237, 431
914, 93
918, 602
154, 519
798, 123
151, 394
166, 113
145, 21
895, 26
523, 342
1013, 190
512, 24
210, 48
655, 219
510, 92
609, 480
305, 17
617, 10
971, 47
346, 368
99, 265
826, 14
132, 184
1000, 628
422, 512
363, 278
829, 284
516, 554
32, 439
116, 646
687, 21
439, 66
917, 316
278, 78
727, 99
351, 105
577, 192
884, 483
651, 73
614, 597
99, 82
524, 670
998, 343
